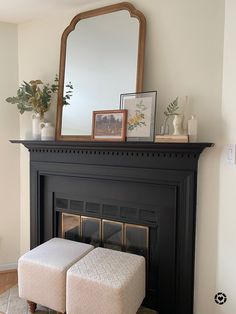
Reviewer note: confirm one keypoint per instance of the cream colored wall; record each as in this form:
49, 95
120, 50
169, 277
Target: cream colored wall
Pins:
9, 155
39, 46
184, 53
227, 197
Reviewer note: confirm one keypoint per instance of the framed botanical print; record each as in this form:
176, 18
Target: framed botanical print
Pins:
141, 109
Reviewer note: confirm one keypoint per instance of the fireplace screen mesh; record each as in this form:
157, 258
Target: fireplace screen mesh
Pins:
107, 233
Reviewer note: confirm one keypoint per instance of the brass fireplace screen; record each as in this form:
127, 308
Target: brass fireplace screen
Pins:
106, 233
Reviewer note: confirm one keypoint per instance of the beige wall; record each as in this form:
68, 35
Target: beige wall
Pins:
226, 279
9, 155
184, 53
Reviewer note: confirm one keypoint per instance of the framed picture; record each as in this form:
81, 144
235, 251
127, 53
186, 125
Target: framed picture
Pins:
141, 115
109, 125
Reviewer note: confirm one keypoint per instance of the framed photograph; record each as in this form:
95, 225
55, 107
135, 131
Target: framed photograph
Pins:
141, 109
109, 125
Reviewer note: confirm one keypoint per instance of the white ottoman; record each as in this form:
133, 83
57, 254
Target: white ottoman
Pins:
42, 272
106, 282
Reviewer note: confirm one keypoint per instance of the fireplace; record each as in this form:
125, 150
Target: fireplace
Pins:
134, 197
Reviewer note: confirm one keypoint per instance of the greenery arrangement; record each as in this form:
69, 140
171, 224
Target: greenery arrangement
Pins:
36, 96
171, 110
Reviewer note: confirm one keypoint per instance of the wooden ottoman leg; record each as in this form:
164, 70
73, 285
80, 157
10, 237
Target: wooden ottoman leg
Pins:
32, 306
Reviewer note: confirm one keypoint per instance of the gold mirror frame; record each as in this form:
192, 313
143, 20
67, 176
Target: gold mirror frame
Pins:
140, 63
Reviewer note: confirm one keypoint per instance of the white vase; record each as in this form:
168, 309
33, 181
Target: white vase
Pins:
47, 132
178, 124
192, 129
36, 126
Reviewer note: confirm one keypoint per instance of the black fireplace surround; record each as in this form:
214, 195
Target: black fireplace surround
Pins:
152, 185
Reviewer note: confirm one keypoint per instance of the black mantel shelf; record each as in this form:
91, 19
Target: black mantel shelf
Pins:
138, 183
147, 146
178, 156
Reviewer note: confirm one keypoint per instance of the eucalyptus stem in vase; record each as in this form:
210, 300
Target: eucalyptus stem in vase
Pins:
36, 96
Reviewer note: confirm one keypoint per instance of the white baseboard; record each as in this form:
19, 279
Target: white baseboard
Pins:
5, 267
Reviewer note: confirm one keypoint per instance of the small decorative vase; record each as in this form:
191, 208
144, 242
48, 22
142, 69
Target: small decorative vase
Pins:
47, 132
178, 124
192, 129
36, 126
164, 129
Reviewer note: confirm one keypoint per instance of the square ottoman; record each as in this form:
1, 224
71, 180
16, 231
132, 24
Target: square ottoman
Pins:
106, 282
42, 272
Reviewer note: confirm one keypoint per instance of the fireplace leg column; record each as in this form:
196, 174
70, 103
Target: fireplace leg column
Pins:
32, 306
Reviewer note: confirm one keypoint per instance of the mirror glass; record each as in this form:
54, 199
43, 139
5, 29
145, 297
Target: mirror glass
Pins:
101, 63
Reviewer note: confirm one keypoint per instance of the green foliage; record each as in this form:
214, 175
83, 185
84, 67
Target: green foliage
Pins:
36, 96
68, 92
172, 108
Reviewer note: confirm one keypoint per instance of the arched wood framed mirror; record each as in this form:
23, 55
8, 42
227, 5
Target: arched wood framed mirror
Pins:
102, 55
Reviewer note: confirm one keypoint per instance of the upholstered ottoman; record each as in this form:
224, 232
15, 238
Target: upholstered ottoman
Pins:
106, 282
42, 272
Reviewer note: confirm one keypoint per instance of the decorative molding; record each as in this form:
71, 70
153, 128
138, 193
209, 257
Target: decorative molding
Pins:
129, 154
118, 153
147, 146
6, 267
189, 150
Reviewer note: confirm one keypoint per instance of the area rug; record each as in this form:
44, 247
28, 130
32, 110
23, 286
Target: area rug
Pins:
10, 303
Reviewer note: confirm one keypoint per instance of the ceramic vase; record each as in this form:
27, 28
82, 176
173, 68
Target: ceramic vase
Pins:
36, 126
178, 124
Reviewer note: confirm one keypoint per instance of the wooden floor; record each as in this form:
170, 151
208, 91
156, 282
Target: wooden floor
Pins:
7, 280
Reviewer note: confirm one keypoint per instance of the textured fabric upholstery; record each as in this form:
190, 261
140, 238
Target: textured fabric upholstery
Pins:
42, 271
106, 282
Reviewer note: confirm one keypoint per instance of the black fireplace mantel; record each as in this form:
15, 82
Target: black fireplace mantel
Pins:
115, 145
150, 184
161, 155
